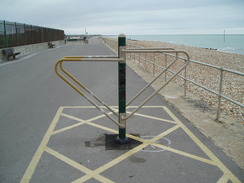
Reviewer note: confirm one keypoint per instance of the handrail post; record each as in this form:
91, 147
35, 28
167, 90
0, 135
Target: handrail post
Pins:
220, 92
166, 64
145, 63
185, 82
154, 62
122, 139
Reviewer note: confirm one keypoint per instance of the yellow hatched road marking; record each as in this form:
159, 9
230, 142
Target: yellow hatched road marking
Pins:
223, 179
96, 173
125, 155
92, 124
77, 165
222, 167
75, 125
204, 160
68, 128
159, 119
36, 158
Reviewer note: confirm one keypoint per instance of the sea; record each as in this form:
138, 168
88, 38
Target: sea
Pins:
231, 43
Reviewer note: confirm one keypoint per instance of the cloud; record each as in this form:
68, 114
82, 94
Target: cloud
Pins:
128, 16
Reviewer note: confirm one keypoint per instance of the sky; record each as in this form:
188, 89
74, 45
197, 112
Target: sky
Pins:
131, 17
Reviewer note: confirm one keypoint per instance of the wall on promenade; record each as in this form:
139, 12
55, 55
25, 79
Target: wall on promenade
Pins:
28, 49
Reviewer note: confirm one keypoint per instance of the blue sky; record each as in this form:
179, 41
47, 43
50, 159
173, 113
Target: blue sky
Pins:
129, 16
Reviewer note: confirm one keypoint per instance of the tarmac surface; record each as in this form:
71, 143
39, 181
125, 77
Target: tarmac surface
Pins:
49, 133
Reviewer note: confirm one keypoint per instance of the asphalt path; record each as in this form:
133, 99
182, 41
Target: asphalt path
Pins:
30, 96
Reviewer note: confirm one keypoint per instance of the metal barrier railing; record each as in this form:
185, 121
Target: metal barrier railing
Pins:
219, 93
163, 51
59, 66
121, 59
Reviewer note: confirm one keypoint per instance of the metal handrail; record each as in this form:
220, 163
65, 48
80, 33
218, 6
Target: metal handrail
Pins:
95, 56
213, 66
145, 50
219, 93
84, 59
59, 65
86, 89
149, 84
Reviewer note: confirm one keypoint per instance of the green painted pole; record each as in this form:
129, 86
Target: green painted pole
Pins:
122, 139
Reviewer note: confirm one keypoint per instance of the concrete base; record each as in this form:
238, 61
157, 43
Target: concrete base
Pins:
28, 49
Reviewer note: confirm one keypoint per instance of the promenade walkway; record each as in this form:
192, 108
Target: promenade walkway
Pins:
49, 133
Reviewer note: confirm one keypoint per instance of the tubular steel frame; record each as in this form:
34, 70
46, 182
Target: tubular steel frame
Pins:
121, 59
59, 65
163, 50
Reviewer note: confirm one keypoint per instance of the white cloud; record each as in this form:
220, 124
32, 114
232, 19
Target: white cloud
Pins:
128, 16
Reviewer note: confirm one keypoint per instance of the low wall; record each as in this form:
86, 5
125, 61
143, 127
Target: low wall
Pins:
28, 49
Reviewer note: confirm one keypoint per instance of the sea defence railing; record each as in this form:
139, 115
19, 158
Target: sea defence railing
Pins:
137, 57
122, 114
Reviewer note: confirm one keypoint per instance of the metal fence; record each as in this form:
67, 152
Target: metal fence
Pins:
17, 34
218, 90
